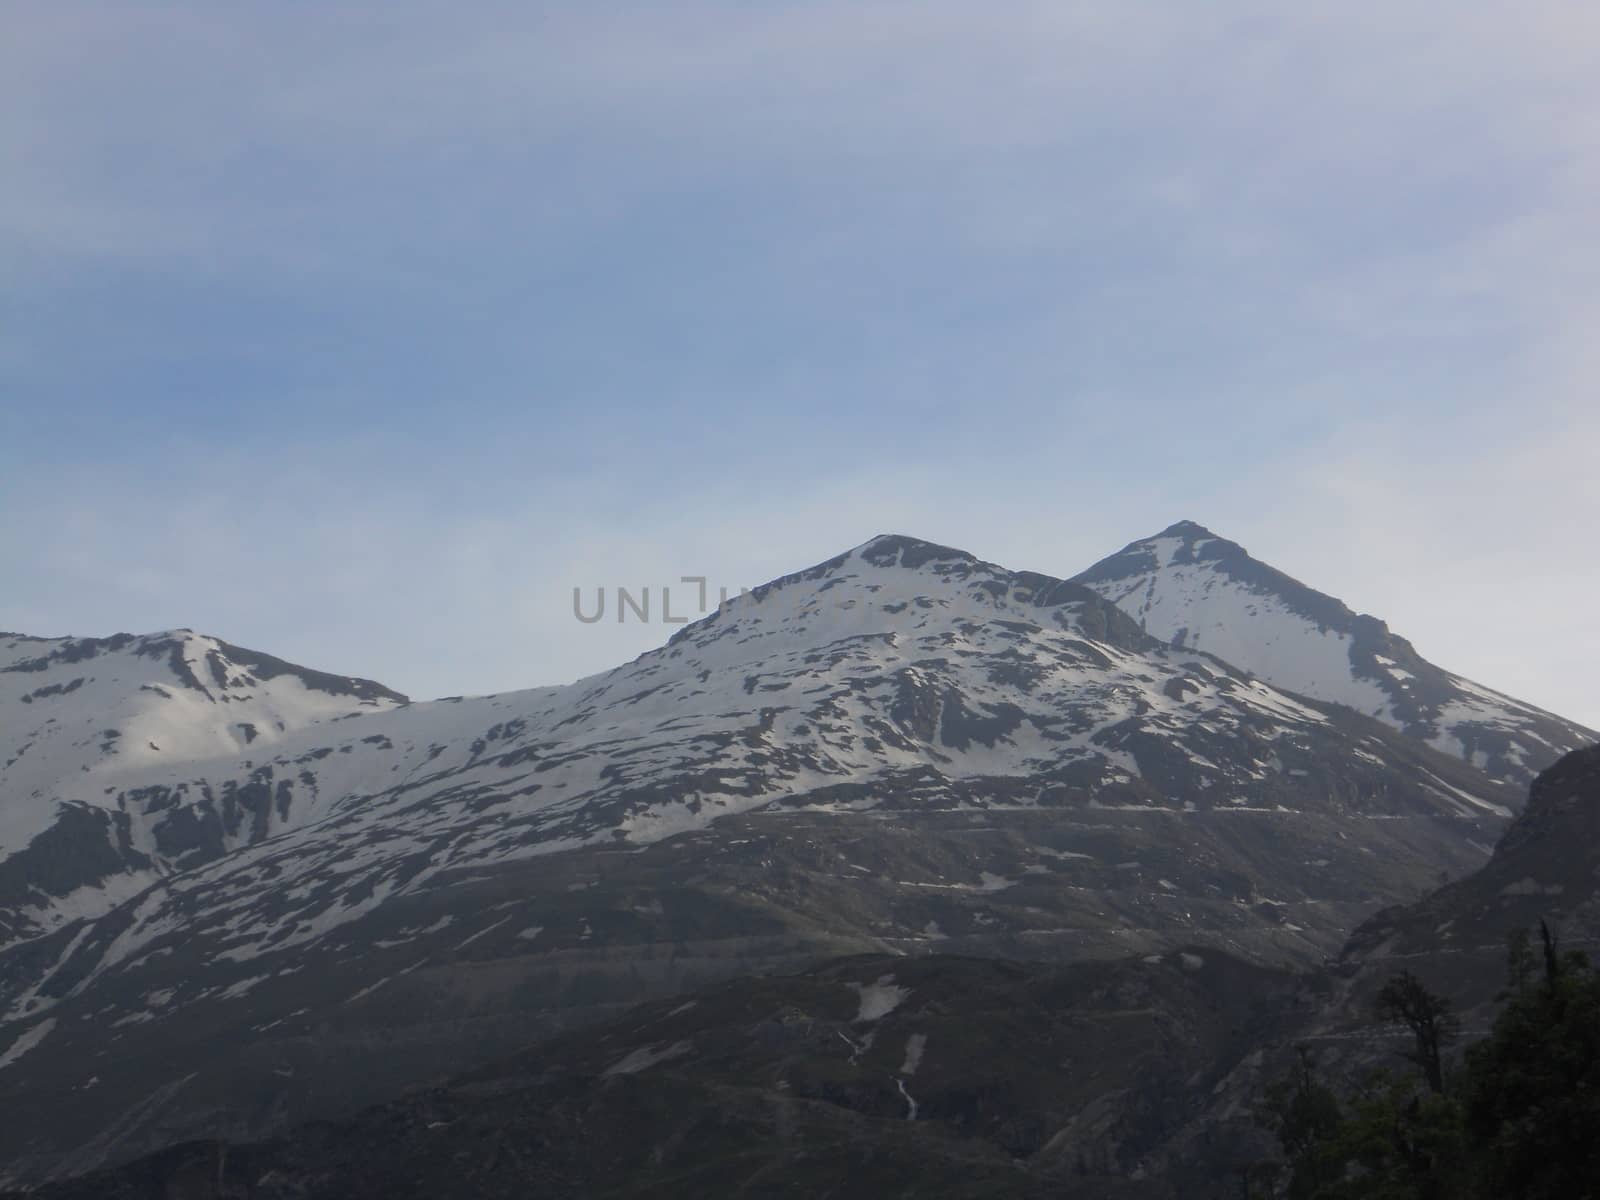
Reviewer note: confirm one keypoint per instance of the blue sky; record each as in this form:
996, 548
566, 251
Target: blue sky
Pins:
362, 337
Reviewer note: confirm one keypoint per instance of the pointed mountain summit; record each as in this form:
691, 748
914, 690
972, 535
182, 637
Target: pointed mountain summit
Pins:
1190, 588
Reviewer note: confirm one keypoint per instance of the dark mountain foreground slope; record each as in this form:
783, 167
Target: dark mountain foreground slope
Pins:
870, 1076
925, 1075
1546, 868
1455, 943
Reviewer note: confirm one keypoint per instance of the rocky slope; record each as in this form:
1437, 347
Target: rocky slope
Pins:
1190, 588
1546, 867
901, 750
932, 1076
869, 1076
84, 717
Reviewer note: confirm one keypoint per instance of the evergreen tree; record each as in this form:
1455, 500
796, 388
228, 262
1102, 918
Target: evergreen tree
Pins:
1521, 1121
1427, 1014
1304, 1113
1401, 1141
1532, 1095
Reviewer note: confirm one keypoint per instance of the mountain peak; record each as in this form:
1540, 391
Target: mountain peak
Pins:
1188, 530
900, 549
872, 588
1189, 588
80, 709
194, 661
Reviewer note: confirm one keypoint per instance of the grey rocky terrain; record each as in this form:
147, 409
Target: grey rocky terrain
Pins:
903, 752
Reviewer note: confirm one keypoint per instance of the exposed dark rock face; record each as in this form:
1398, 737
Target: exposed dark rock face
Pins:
228, 658
1562, 817
1546, 867
84, 843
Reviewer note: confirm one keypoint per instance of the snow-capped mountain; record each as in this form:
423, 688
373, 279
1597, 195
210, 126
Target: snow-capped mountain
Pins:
901, 749
897, 665
84, 718
1190, 588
